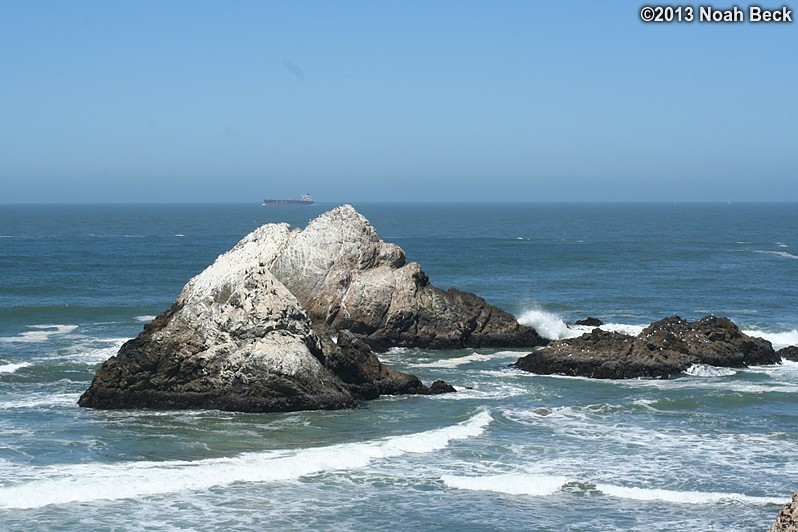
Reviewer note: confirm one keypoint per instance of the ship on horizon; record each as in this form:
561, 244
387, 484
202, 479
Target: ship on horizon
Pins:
304, 199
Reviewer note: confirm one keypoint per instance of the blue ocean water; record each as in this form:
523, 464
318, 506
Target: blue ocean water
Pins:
510, 450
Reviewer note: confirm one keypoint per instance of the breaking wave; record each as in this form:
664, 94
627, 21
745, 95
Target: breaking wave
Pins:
11, 368
553, 327
544, 485
56, 484
706, 370
550, 325
778, 254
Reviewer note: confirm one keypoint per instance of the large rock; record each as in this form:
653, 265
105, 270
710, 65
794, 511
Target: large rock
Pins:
237, 339
347, 278
666, 347
787, 520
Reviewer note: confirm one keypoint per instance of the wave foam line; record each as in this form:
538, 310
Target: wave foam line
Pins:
509, 483
544, 485
58, 484
778, 254
11, 368
459, 361
41, 333
144, 319
683, 497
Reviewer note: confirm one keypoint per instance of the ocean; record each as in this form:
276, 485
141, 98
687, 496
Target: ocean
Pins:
509, 451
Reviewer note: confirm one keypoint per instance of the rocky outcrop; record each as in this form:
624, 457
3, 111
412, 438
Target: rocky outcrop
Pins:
286, 321
346, 278
235, 339
787, 520
790, 353
664, 348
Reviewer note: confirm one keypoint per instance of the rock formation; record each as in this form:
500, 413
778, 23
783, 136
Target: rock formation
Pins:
283, 321
790, 353
787, 520
664, 348
347, 278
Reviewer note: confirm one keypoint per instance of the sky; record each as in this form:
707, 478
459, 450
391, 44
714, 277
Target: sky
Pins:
370, 101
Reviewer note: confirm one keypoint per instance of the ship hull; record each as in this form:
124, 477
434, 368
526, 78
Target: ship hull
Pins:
287, 202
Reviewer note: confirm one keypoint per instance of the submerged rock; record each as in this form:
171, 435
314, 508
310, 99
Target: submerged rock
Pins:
666, 347
787, 520
253, 332
589, 322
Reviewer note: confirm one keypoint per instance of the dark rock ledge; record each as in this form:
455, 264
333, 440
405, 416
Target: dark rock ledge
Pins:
664, 348
286, 320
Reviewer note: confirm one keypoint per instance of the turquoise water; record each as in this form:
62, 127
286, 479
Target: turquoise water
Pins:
510, 450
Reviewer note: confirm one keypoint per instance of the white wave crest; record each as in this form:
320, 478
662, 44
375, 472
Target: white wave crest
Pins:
706, 370
56, 484
544, 485
553, 327
778, 254
41, 333
144, 319
41, 400
549, 325
509, 483
779, 340
11, 368
683, 497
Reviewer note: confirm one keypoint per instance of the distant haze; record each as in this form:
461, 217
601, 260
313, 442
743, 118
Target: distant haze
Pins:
391, 101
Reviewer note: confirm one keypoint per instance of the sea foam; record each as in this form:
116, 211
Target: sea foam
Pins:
473, 357
553, 327
549, 325
537, 485
40, 333
683, 497
509, 483
57, 484
706, 370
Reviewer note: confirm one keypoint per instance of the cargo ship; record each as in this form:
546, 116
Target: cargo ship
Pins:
304, 199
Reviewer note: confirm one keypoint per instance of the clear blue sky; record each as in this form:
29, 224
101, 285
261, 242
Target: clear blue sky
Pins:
194, 101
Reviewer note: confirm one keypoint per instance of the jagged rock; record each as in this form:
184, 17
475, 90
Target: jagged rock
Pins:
589, 322
664, 348
347, 278
790, 353
237, 338
787, 520
439, 387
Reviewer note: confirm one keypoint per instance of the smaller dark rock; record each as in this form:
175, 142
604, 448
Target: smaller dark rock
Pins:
790, 353
589, 322
439, 387
664, 348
